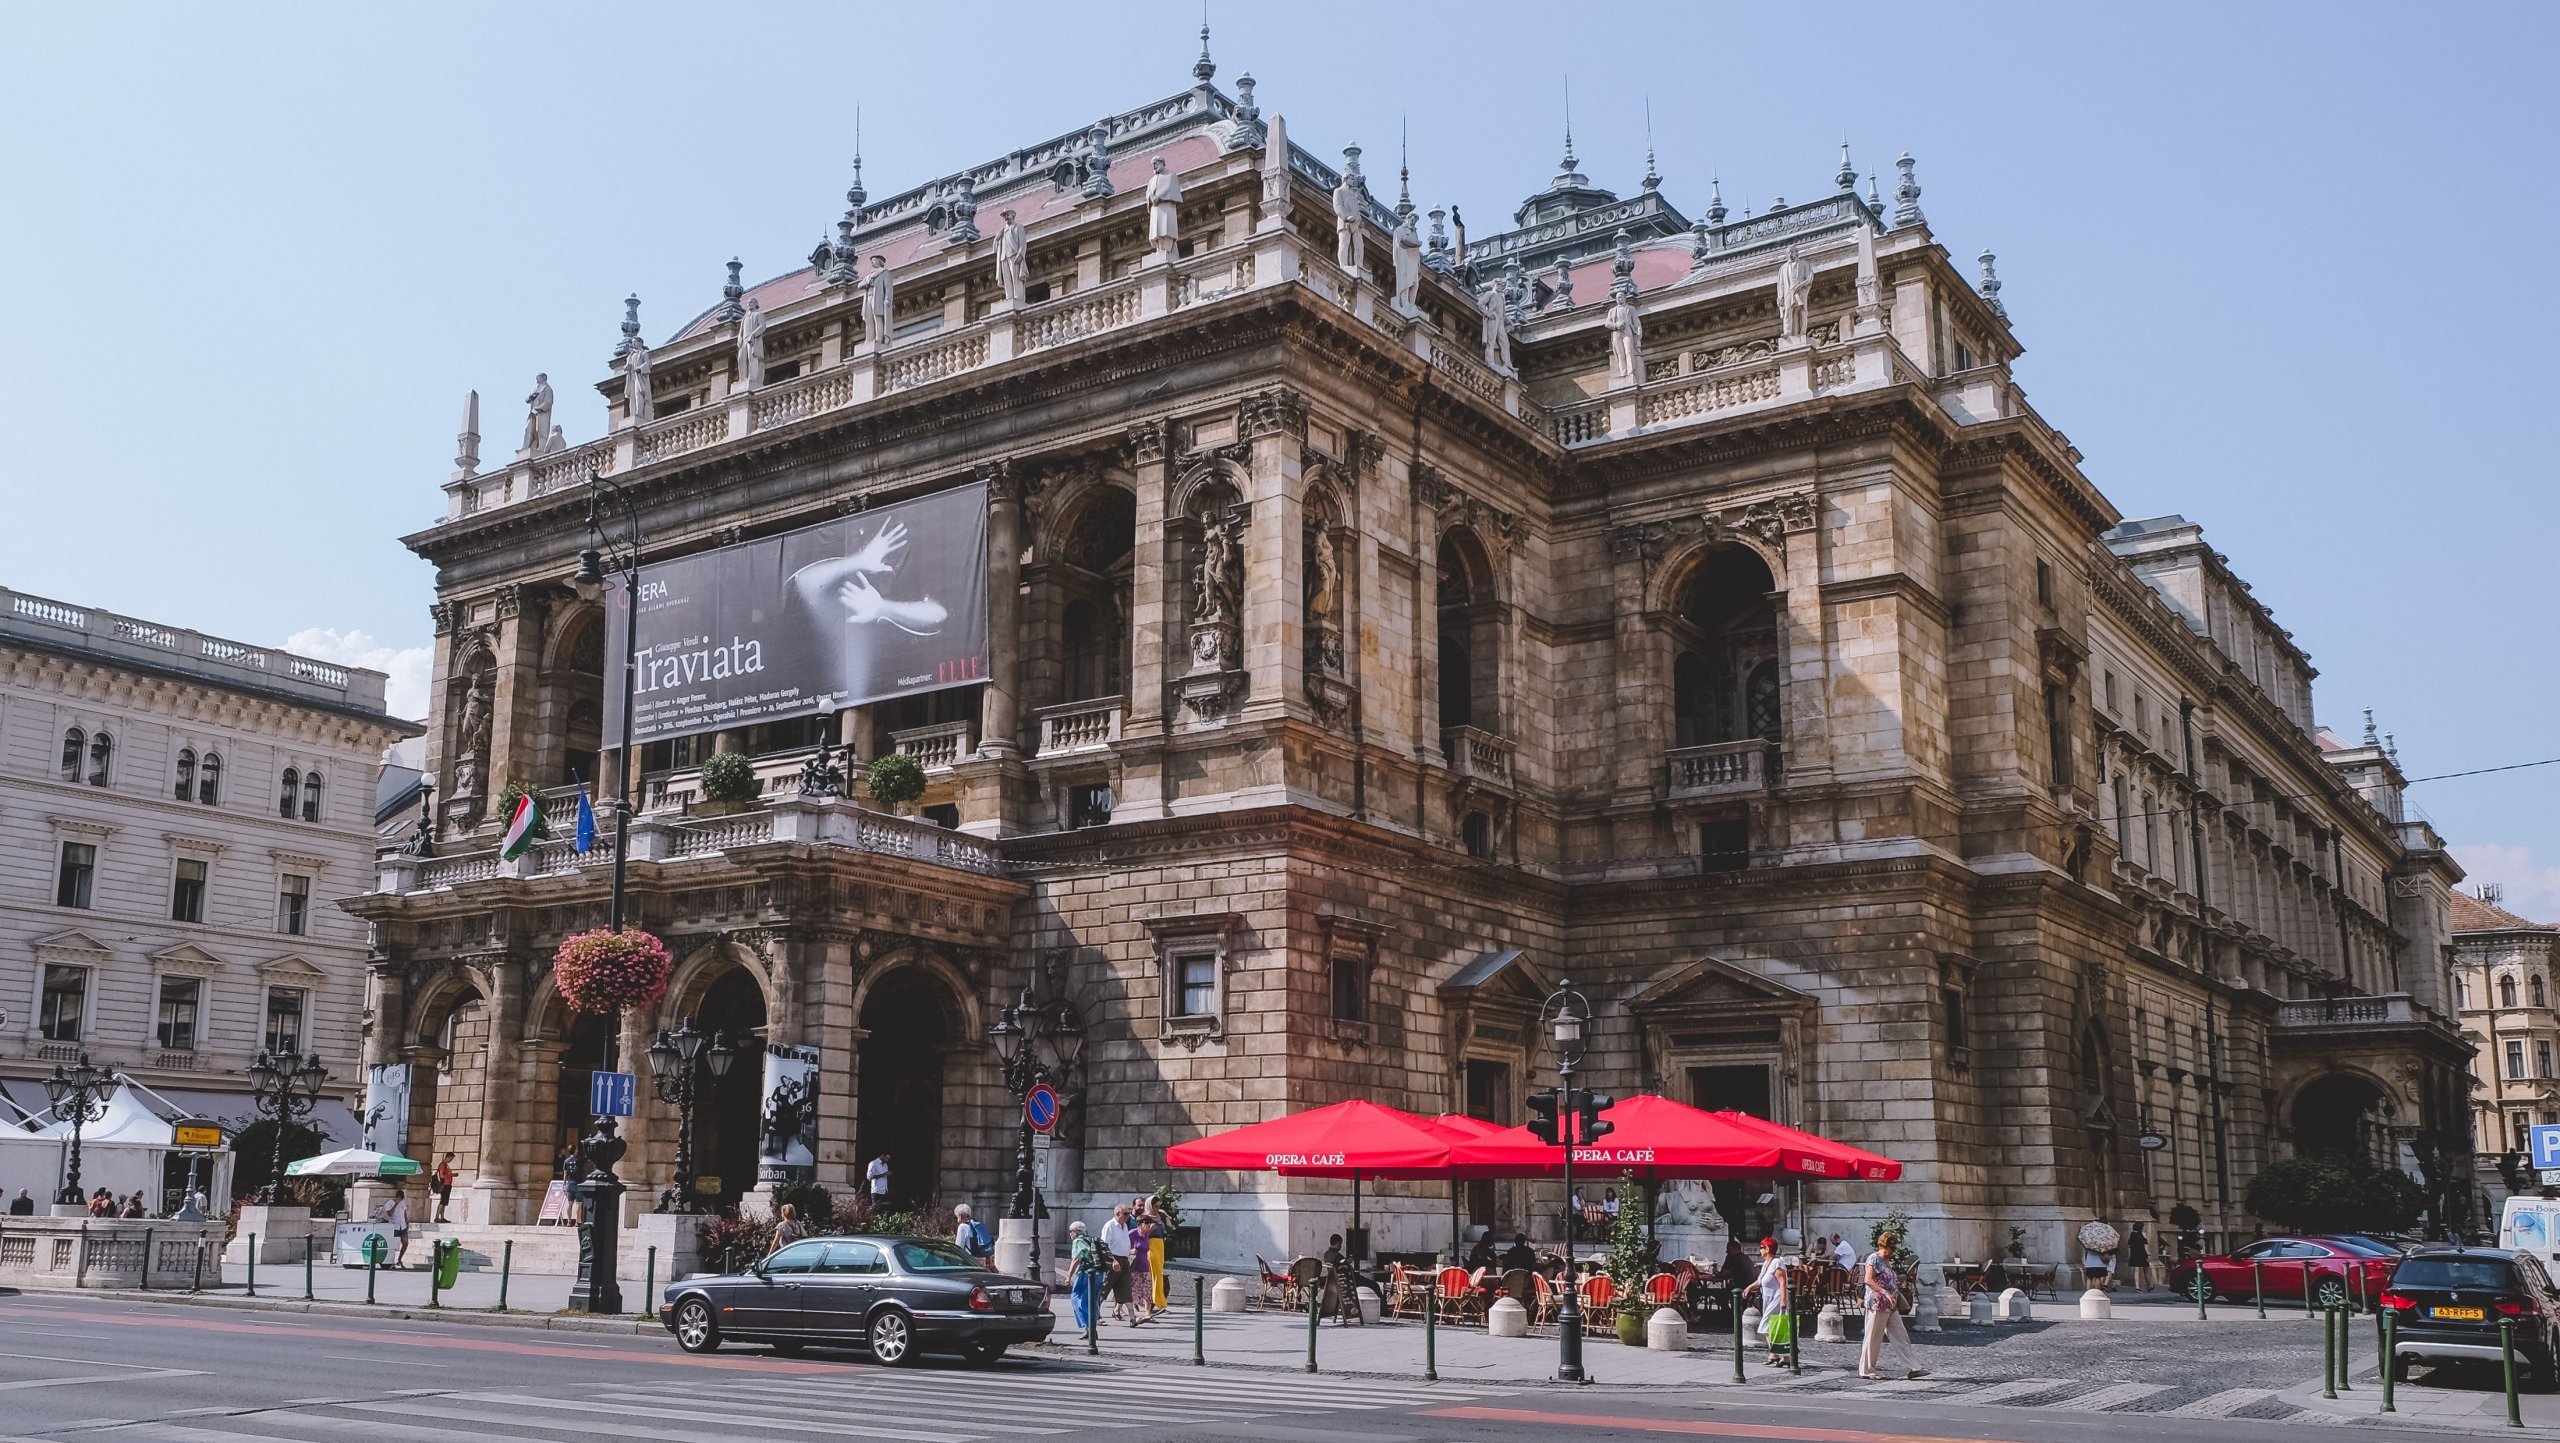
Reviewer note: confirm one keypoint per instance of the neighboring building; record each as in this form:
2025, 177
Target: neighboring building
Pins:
180, 814
2505, 970
1766, 666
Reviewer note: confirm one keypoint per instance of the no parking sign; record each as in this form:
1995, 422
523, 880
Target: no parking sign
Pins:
1040, 1107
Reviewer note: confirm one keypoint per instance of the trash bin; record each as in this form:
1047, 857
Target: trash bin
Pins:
448, 1261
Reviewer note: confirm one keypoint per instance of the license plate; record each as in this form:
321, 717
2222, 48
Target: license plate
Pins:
2461, 1315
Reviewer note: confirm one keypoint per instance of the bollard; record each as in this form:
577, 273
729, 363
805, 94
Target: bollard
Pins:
2306, 1290
2507, 1355
2204, 1291
1737, 1336
306, 1267
648, 1282
2346, 1341
196, 1285
435, 1281
506, 1268
372, 1262
2390, 1364
1431, 1332
1199, 1316
1093, 1324
1315, 1305
2382, 1333
253, 1265
146, 1260
1795, 1334
2328, 1356
2258, 1285
80, 1274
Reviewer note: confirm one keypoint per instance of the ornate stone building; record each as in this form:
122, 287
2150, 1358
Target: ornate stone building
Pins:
1390, 625
178, 812
2504, 972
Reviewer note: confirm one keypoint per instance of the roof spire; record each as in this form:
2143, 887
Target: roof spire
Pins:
1990, 286
2369, 738
1404, 167
1652, 175
1875, 198
1568, 164
1906, 194
1204, 68
857, 196
1715, 200
1848, 176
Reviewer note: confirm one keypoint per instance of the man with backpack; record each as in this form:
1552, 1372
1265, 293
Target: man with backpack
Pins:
972, 1237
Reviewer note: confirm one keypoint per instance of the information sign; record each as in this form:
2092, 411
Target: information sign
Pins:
610, 1094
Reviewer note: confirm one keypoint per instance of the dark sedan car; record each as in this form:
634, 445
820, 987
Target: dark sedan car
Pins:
2448, 1304
2336, 1270
896, 1296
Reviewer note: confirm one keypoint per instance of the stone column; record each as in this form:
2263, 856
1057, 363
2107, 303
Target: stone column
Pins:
1274, 423
644, 1168
1154, 621
515, 734
826, 1021
502, 1094
439, 722
1000, 720
1804, 650
1634, 552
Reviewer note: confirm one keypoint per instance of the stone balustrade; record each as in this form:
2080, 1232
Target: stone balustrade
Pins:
83, 1252
2380, 1011
1079, 726
1719, 769
1477, 754
63, 626
937, 748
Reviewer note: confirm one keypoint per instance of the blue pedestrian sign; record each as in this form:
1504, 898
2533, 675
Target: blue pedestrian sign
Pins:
2546, 1145
610, 1094
1040, 1107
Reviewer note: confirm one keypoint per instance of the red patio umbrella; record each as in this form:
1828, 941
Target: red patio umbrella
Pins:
1354, 1139
1839, 1158
1654, 1136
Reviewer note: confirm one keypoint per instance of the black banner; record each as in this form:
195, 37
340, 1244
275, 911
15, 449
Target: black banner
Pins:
883, 604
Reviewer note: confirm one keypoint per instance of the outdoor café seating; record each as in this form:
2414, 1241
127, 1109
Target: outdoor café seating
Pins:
1459, 1302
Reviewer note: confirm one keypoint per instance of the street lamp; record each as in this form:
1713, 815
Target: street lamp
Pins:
1563, 1016
818, 775
677, 1063
599, 1285
1022, 1034
80, 1093
286, 1086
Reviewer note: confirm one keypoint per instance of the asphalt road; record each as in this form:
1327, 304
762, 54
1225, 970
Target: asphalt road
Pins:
79, 1368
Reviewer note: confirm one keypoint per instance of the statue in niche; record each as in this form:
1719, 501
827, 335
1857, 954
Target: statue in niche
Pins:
879, 304
1497, 325
1324, 599
1350, 199
471, 752
1408, 261
1164, 209
635, 382
537, 416
1013, 261
1218, 586
1626, 341
751, 346
1795, 292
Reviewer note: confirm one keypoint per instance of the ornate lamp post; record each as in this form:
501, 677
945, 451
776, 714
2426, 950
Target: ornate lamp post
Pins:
79, 1093
286, 1086
819, 776
599, 1285
1036, 1043
683, 1065
1563, 1017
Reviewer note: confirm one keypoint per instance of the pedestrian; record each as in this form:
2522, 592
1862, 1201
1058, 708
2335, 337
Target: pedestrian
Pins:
133, 1207
787, 1228
1115, 1248
971, 1237
1085, 1271
2093, 1267
443, 1185
1142, 1284
2137, 1258
1884, 1314
398, 1216
878, 1176
1777, 1324
1736, 1263
23, 1205
102, 1204
1844, 1254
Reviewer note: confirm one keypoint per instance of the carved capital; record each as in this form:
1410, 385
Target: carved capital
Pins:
1639, 540
510, 601
1005, 483
1277, 411
1146, 442
1362, 452
729, 535
442, 614
1431, 486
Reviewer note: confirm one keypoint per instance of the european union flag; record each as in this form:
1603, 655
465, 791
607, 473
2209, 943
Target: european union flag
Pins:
586, 819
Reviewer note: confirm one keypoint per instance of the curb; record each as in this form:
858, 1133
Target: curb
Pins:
550, 1322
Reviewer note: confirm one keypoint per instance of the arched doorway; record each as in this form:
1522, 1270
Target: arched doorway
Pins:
588, 1034
727, 1113
908, 1023
446, 1082
2343, 1115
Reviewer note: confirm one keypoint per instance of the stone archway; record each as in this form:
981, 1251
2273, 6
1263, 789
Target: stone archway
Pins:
449, 1053
726, 1117
909, 1022
2343, 1114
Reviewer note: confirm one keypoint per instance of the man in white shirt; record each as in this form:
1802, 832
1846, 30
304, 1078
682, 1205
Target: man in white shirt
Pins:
1843, 1254
878, 1173
1115, 1241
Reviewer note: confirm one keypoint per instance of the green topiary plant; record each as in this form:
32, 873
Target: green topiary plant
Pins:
894, 779
1906, 1263
812, 1200
1630, 1258
728, 777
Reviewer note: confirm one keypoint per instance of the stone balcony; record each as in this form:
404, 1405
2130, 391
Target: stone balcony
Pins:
937, 748
2333, 1014
1477, 755
1719, 769
1080, 726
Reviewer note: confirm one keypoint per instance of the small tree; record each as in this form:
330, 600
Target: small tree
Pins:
815, 1205
894, 779
1168, 1200
1906, 1263
1630, 1259
2335, 1194
728, 777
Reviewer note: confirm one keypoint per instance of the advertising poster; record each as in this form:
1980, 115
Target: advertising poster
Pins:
790, 1147
887, 603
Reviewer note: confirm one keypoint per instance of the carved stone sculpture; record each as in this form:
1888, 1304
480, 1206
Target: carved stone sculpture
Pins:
879, 304
1497, 325
1626, 342
471, 752
1350, 203
537, 416
1164, 209
1795, 292
1218, 585
635, 382
751, 346
1408, 261
1013, 261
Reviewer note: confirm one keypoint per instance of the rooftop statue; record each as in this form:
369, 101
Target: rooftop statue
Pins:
1013, 261
1408, 259
537, 416
635, 382
879, 304
1626, 341
1164, 209
1497, 325
1350, 198
751, 346
1795, 292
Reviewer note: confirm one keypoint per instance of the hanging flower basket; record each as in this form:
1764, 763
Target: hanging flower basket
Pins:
603, 972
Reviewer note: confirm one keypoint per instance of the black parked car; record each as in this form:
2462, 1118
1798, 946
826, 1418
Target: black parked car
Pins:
896, 1296
2449, 1303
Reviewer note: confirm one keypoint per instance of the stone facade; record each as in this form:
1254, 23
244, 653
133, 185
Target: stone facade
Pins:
180, 813
1777, 696
2504, 971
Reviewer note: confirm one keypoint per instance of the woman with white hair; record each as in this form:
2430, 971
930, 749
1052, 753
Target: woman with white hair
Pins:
1084, 1271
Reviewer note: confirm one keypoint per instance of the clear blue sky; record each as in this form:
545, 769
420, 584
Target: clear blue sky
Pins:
254, 256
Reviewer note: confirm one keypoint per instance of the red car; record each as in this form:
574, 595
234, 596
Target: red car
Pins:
2336, 1270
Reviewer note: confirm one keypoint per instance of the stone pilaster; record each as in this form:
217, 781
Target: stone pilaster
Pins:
1274, 424
515, 740
1000, 716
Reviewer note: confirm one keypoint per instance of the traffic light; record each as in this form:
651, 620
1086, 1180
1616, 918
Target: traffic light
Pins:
1590, 1105
1542, 1116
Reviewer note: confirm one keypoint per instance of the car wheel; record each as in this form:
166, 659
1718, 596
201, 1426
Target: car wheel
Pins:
892, 1339
696, 1330
985, 1354
2199, 1287
2332, 1293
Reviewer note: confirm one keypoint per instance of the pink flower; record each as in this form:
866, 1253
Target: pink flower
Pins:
603, 972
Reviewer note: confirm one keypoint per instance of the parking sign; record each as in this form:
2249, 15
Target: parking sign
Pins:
2546, 1145
610, 1094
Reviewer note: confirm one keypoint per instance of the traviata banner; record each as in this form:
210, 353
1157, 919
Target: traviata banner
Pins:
886, 603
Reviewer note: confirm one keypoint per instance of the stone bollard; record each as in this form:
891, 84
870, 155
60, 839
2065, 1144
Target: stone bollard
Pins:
1978, 1310
1666, 1331
2095, 1307
1826, 1326
1368, 1301
1506, 1319
1924, 1314
1227, 1297
1751, 1320
2015, 1306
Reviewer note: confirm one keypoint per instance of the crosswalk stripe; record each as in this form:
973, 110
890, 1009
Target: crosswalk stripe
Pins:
1013, 1420
545, 1428
1045, 1402
2113, 1395
2220, 1405
696, 1415
2014, 1388
1121, 1387
1901, 1385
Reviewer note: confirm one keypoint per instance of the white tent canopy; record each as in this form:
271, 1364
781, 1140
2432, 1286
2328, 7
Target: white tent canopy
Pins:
124, 1151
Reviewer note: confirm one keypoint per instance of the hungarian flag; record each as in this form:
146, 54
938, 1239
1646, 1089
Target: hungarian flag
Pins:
521, 827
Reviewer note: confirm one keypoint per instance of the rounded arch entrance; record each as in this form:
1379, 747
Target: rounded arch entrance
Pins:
1724, 670
910, 1017
726, 1000
1470, 624
2343, 1114
448, 1047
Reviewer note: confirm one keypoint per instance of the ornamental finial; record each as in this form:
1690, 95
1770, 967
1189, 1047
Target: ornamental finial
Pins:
1847, 175
1991, 287
857, 196
1622, 266
731, 294
1404, 169
1652, 173
1204, 69
1715, 201
2369, 738
1906, 194
1436, 253
630, 324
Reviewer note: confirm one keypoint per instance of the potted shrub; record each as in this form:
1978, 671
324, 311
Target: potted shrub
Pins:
1630, 1260
728, 785
610, 972
894, 780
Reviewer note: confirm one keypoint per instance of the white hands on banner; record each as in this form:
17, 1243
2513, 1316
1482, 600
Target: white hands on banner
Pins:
850, 578
875, 553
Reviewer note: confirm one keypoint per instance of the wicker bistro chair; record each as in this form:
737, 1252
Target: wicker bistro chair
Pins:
1304, 1273
1458, 1300
1278, 1289
1662, 1291
1405, 1290
1599, 1298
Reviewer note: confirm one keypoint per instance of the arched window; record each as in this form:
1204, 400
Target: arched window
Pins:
311, 797
209, 779
75, 745
1725, 672
2506, 992
1089, 652
292, 794
1476, 830
186, 790
2462, 993
1689, 705
102, 754
2535, 987
1470, 635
